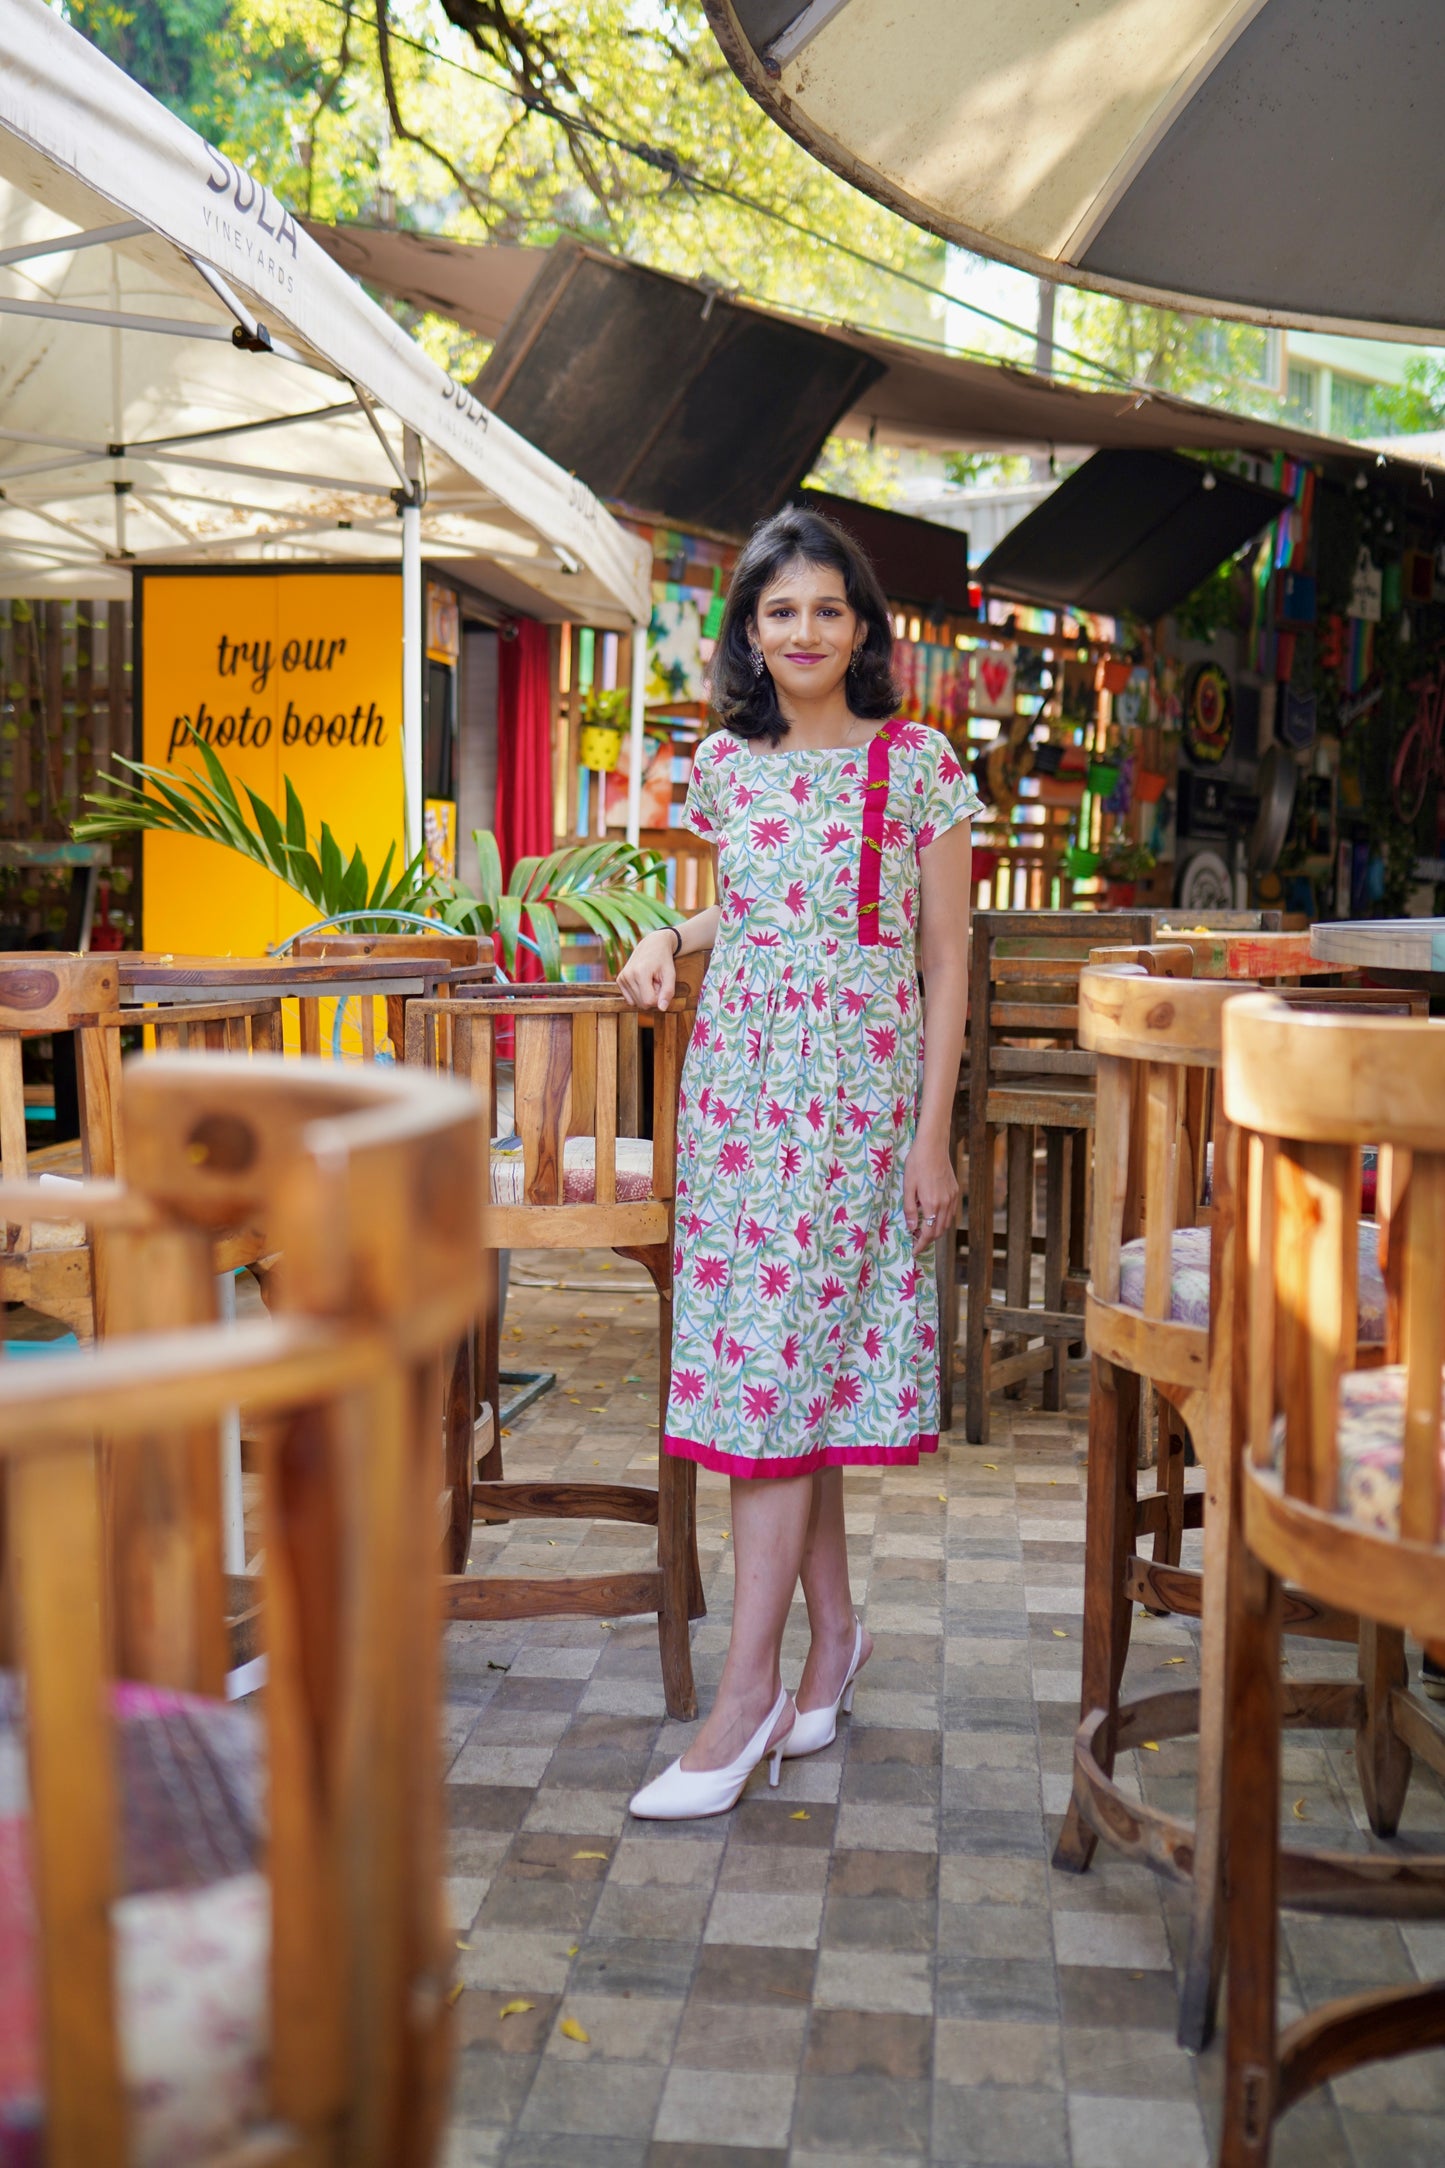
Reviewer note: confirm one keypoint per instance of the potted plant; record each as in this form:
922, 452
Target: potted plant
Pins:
614, 889
1123, 865
599, 740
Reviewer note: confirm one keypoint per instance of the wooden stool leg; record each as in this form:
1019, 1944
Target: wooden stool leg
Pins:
1381, 1755
980, 1282
1109, 1544
1019, 1237
1056, 1245
1254, 1714
1169, 1543
1081, 1159
681, 1598
460, 1432
489, 1362
1225, 1564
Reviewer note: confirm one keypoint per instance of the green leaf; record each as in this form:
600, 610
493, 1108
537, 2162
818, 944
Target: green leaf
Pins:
296, 833
509, 922
543, 921
489, 866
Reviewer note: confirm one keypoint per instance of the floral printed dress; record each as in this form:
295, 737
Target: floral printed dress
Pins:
805, 1335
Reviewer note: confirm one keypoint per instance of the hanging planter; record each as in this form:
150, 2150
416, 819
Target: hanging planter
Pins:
1113, 674
1149, 785
599, 740
1079, 864
1103, 779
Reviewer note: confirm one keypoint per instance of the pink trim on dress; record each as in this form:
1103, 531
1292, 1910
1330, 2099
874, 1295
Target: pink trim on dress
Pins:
785, 1464
870, 855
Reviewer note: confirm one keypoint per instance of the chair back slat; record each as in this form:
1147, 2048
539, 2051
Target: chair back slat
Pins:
1112, 1134
54, 1537
605, 1075
14, 1153
544, 1101
1422, 1336
1161, 1108
1260, 1216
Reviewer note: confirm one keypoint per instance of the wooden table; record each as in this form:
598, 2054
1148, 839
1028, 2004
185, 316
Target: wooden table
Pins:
1411, 948
1260, 955
146, 975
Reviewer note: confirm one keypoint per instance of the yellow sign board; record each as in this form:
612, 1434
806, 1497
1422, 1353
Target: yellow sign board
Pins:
293, 673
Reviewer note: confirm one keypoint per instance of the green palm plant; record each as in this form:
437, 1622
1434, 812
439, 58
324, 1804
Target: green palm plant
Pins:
614, 889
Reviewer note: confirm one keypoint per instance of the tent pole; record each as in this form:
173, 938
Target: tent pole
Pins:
634, 757
413, 642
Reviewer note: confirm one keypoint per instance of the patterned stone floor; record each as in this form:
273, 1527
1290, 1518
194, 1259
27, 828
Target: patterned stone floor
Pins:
874, 1964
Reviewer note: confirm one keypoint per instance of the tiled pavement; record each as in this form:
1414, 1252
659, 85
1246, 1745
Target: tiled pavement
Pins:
875, 1964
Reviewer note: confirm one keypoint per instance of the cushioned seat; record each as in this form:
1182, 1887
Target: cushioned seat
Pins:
579, 1171
1371, 1443
192, 1930
1189, 1280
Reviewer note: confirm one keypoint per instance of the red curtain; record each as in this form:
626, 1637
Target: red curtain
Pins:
524, 754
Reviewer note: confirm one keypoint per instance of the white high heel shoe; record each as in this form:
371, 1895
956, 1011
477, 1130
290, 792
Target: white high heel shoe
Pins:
813, 1729
685, 1795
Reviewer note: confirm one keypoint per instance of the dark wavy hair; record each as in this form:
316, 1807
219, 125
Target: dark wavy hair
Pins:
746, 700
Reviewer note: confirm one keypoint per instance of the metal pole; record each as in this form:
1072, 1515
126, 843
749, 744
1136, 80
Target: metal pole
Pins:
639, 713
413, 643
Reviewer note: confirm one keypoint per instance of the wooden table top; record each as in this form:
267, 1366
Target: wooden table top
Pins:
148, 976
1261, 956
1415, 945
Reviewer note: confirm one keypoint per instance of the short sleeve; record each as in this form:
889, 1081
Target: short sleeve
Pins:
700, 813
944, 794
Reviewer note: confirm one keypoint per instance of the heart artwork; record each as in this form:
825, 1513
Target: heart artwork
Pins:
993, 683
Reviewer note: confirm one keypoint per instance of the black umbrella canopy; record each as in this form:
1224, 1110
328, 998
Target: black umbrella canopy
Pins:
1130, 531
1277, 160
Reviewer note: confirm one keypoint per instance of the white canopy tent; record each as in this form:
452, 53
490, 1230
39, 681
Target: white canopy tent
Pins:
187, 378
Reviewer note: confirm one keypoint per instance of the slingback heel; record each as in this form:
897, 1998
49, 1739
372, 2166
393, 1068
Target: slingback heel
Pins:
685, 1795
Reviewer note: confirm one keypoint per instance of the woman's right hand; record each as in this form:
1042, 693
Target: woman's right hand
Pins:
648, 979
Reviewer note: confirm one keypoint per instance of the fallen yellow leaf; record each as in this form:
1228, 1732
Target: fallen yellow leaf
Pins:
515, 2009
1151, 1746
573, 2031
573, 1948
1298, 1811
453, 1993
1059, 1634
802, 1815
992, 1466
1176, 1660
943, 1498
599, 1411
589, 1855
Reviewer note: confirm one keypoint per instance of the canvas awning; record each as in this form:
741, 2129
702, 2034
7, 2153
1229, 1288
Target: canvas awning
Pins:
912, 396
1130, 532
1276, 160
185, 377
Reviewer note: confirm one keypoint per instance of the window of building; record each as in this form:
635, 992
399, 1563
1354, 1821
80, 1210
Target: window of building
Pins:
1350, 406
1301, 386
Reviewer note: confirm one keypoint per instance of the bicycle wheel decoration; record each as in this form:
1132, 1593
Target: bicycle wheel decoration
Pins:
1208, 714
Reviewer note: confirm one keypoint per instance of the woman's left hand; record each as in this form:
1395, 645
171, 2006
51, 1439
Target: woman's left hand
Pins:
930, 1192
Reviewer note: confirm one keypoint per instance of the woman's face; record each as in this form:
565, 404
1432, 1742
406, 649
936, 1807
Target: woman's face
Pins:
807, 630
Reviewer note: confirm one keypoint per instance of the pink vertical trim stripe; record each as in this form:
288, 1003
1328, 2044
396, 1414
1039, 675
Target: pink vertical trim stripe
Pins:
870, 858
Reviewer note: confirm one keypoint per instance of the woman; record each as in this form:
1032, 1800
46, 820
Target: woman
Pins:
813, 1139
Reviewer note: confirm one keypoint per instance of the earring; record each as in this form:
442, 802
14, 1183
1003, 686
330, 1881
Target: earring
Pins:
854, 659
757, 655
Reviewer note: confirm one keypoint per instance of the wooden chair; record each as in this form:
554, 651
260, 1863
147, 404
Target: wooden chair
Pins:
322, 1929
1151, 1316
52, 1267
1028, 1080
1342, 1492
578, 1181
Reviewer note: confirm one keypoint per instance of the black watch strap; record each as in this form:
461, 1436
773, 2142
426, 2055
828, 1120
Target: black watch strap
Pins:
676, 932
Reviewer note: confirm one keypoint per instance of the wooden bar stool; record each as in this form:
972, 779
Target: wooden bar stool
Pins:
577, 1183
193, 1974
1028, 1080
1159, 1259
1342, 1492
